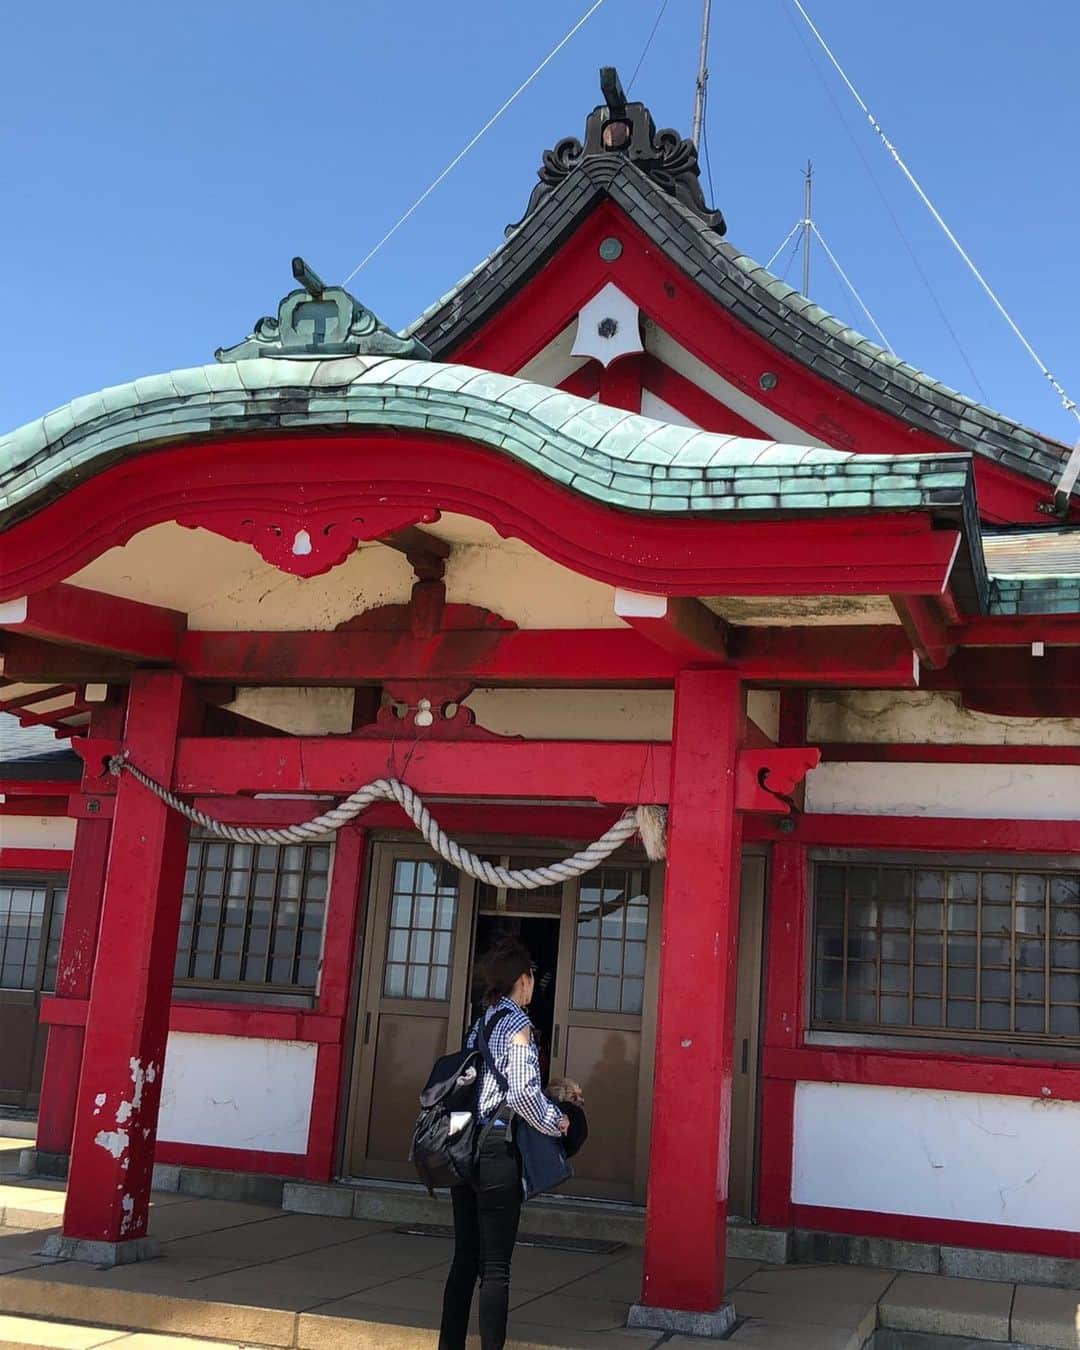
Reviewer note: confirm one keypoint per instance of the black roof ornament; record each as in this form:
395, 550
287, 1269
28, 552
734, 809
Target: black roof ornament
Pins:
618, 127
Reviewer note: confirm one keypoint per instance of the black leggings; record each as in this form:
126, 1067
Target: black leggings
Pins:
485, 1230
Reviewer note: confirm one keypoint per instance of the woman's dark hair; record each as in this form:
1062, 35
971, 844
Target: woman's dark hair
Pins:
500, 968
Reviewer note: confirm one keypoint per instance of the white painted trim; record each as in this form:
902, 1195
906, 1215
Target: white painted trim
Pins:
667, 350
961, 791
637, 605
13, 612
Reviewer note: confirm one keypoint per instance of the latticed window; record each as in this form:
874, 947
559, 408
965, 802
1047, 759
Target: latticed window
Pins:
31, 919
420, 942
611, 942
253, 914
947, 949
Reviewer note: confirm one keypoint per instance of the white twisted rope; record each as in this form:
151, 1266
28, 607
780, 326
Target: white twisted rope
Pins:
394, 790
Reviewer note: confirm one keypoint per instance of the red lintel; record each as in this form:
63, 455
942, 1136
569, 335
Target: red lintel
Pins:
616, 772
79, 617
852, 656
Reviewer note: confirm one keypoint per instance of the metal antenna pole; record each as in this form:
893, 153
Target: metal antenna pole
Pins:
806, 228
702, 77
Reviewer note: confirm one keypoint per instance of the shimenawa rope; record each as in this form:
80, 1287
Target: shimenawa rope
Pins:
649, 821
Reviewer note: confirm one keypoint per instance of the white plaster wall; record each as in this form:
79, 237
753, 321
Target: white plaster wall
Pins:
222, 584
37, 832
908, 717
763, 708
576, 714
301, 712
521, 584
972, 791
942, 1155
237, 1092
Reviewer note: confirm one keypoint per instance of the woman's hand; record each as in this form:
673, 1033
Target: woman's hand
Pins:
564, 1124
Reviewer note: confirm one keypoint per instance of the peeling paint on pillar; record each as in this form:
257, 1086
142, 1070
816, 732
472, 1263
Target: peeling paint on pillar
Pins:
113, 1141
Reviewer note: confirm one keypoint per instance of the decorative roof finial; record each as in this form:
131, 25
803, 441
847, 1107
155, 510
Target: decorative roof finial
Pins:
617, 127
320, 321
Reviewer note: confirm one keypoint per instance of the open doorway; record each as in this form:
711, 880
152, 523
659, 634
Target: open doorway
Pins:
539, 934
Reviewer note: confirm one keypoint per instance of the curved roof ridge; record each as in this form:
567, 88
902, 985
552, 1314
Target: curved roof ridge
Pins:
616, 457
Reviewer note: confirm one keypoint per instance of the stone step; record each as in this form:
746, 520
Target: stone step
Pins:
549, 1216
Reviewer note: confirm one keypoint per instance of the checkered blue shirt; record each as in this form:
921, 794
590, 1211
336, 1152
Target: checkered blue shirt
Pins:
521, 1066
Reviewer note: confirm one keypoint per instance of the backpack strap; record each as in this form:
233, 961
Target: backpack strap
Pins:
485, 1049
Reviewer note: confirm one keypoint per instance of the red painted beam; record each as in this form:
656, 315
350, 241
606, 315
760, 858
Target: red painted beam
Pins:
38, 696
681, 625
1012, 668
1021, 630
924, 623
935, 834
604, 771
29, 659
586, 658
35, 859
36, 787
34, 806
79, 617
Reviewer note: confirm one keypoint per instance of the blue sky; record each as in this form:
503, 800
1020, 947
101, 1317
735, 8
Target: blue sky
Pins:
160, 164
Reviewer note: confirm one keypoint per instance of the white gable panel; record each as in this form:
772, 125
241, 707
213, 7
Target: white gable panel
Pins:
554, 363
686, 364
652, 405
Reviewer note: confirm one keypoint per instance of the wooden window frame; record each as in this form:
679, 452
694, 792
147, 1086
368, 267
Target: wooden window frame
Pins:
820, 1027
51, 883
191, 984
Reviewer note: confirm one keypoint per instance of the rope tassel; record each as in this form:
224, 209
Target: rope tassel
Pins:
648, 821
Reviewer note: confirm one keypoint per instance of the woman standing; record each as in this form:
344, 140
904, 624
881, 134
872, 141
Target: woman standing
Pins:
486, 1214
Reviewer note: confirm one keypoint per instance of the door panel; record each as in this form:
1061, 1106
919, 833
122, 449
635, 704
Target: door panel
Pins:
606, 1062
744, 1088
605, 1022
414, 979
31, 920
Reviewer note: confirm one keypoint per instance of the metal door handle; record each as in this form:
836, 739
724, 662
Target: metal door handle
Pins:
555, 1043
367, 1027
745, 1053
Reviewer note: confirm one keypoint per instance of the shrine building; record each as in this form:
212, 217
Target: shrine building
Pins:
620, 520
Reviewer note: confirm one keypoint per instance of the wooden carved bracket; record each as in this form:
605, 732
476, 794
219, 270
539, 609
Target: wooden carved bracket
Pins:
304, 541
427, 710
766, 779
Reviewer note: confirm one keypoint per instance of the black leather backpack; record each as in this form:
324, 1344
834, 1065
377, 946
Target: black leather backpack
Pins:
448, 1133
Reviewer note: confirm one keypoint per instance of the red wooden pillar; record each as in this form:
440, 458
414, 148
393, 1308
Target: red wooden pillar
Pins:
686, 1222
112, 1155
78, 943
785, 983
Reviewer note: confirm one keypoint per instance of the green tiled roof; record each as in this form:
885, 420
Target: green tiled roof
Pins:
1034, 595
612, 456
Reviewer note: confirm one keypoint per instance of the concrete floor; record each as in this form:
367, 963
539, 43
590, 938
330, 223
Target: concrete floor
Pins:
241, 1274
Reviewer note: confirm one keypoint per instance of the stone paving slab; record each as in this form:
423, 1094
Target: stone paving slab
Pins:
948, 1306
1049, 1317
